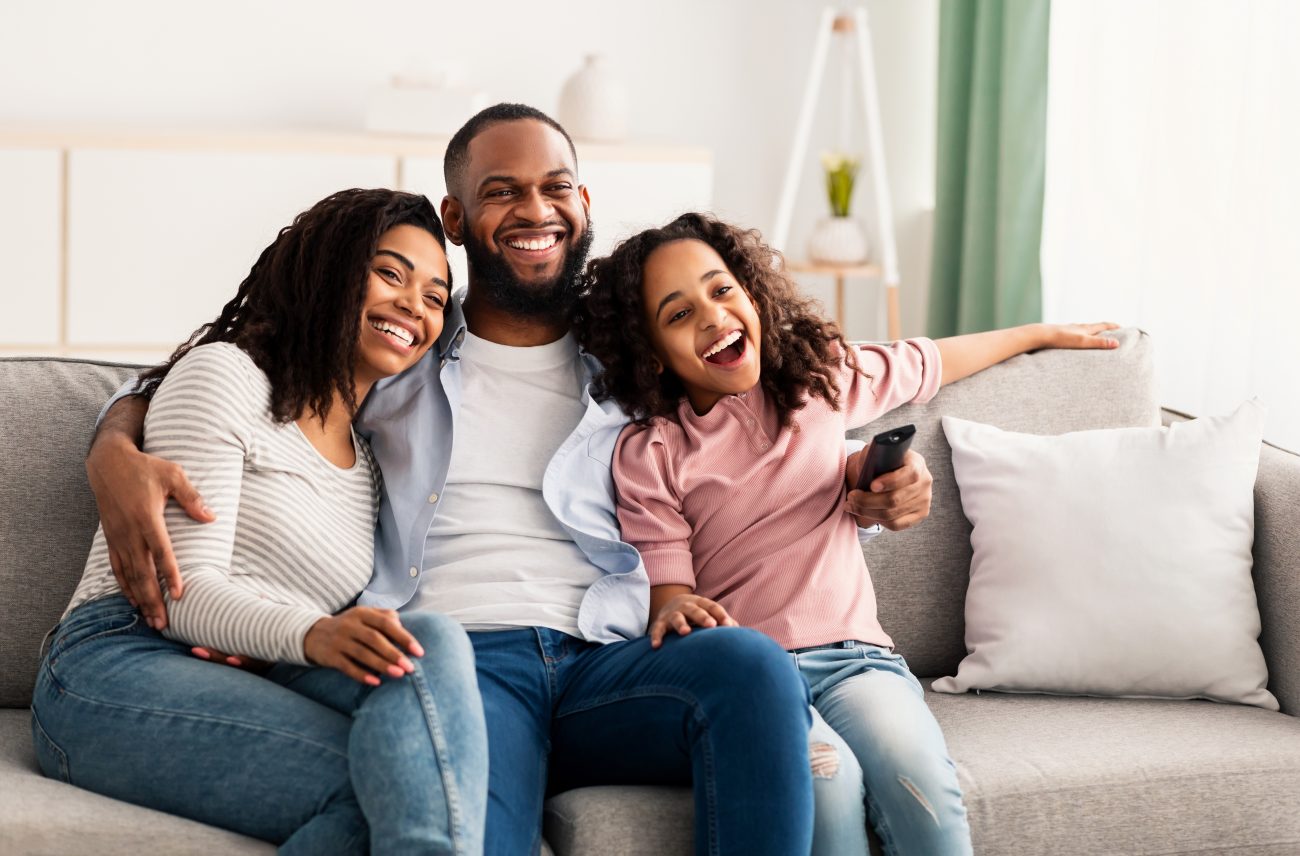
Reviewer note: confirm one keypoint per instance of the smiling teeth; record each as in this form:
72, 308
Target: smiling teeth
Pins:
534, 243
394, 331
729, 339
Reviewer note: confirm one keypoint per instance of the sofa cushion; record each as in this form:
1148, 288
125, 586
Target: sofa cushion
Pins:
1046, 774
1050, 774
629, 820
921, 574
42, 816
47, 513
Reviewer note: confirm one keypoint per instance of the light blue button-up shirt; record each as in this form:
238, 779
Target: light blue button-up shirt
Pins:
410, 422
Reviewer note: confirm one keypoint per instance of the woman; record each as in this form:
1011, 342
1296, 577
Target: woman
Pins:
366, 735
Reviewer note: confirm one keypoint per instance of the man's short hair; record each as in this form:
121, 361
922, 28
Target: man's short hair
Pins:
457, 157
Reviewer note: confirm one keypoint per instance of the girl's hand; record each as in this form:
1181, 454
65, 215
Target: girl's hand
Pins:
683, 611
1078, 336
361, 642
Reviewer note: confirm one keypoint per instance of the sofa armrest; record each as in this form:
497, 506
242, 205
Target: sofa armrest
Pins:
1277, 571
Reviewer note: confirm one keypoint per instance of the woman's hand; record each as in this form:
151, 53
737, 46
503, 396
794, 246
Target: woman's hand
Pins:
685, 610
239, 661
362, 642
1078, 336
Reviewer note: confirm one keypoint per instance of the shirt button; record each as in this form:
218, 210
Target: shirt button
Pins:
433, 497
414, 572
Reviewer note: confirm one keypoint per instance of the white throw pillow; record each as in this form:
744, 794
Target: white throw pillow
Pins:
1113, 563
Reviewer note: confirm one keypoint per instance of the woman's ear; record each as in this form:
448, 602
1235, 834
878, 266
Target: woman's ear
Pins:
659, 367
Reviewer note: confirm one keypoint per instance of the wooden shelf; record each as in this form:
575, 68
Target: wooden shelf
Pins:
866, 269
843, 272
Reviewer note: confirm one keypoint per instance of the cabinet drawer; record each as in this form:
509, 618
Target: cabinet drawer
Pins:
31, 189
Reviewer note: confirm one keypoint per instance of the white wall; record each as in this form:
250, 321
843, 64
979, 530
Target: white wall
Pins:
727, 74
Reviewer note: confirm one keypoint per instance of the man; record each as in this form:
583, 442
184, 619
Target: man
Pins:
498, 510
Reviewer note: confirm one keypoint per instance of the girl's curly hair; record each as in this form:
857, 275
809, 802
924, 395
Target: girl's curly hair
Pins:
298, 312
800, 351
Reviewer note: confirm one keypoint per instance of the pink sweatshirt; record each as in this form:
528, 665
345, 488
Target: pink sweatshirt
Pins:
752, 515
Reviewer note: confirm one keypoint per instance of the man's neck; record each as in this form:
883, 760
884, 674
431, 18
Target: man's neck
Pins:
505, 328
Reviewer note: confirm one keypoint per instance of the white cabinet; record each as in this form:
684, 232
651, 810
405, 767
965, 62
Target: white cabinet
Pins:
31, 187
118, 243
158, 242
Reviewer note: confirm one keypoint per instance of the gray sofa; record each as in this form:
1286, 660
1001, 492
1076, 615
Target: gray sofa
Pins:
1041, 774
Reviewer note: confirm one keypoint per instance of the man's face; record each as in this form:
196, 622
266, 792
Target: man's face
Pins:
522, 217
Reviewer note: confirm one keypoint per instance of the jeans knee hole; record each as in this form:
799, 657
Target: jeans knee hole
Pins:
825, 760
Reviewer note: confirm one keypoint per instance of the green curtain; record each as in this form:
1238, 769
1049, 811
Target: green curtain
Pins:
991, 151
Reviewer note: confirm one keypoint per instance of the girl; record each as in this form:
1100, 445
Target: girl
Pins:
731, 483
319, 754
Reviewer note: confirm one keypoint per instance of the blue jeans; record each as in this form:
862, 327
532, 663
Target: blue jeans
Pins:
721, 709
303, 757
890, 762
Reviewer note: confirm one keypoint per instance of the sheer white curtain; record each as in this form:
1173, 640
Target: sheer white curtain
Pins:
1173, 191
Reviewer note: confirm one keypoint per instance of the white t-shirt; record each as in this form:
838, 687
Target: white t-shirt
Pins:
496, 556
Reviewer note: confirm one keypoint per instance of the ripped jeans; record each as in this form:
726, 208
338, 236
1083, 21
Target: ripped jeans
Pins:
877, 752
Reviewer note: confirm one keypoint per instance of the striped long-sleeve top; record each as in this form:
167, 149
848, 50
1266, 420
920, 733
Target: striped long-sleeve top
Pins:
294, 536
751, 514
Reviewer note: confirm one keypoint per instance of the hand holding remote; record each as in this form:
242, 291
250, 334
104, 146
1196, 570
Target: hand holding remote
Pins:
885, 454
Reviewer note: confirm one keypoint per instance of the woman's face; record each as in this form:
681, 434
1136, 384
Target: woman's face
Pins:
406, 295
702, 324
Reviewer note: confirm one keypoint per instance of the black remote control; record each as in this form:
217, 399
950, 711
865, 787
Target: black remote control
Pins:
885, 454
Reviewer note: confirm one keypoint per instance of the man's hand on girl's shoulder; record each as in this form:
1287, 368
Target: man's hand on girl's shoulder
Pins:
897, 500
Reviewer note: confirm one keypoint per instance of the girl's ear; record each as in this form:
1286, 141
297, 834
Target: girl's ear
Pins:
659, 367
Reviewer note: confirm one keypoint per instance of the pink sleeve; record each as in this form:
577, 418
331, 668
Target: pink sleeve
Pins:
649, 509
900, 372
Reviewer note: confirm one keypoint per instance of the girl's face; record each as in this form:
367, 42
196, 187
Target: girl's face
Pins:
702, 324
406, 294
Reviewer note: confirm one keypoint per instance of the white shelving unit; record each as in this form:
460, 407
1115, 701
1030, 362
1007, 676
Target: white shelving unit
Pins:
852, 26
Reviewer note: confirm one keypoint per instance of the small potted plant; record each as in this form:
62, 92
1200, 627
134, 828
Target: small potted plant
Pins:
839, 239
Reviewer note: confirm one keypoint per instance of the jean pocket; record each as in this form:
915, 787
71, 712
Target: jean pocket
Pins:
78, 633
53, 760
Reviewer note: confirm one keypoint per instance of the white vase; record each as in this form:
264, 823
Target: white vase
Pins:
594, 103
838, 241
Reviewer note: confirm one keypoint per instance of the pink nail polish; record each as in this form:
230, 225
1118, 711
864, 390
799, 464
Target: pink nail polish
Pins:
372, 680
407, 665
200, 653
232, 661
395, 671
417, 649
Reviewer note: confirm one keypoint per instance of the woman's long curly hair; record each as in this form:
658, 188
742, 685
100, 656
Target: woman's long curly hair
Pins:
800, 351
298, 312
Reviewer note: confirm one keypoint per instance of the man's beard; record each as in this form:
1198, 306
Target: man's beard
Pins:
495, 282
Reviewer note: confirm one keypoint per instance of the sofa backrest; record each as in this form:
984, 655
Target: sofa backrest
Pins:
47, 513
921, 574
